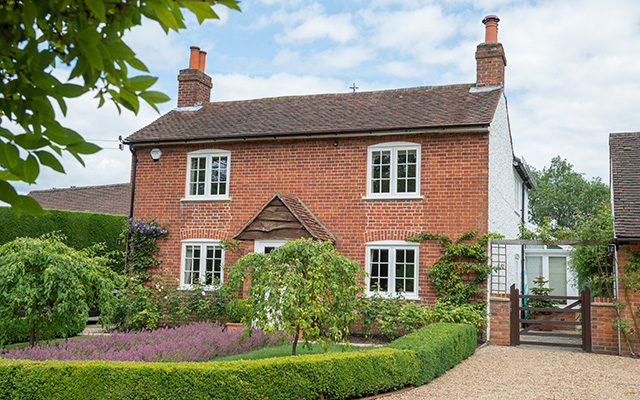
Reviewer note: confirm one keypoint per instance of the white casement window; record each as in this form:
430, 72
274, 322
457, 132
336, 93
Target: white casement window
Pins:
202, 261
208, 175
393, 170
393, 268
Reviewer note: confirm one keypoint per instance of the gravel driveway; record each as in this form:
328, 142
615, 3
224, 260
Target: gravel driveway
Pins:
500, 372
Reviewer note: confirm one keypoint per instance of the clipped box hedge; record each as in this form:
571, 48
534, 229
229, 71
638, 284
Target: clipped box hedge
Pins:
412, 360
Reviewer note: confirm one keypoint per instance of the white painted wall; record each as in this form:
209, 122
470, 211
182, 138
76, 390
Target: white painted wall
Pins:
505, 189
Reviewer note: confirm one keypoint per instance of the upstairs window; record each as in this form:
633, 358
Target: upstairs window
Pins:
208, 175
202, 261
393, 170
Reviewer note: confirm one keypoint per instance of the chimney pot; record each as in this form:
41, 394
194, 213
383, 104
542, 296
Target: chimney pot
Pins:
202, 59
490, 58
491, 28
194, 86
194, 59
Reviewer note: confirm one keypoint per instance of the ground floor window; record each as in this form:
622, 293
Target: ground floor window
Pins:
393, 268
202, 261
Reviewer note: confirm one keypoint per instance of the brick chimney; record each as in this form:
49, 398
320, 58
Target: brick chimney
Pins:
194, 86
490, 56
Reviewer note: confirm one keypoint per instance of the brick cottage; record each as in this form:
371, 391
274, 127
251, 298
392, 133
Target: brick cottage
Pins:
364, 170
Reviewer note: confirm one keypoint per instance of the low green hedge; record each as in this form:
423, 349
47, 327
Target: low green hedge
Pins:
439, 347
411, 360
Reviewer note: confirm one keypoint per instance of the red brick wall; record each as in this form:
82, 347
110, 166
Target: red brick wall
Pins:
331, 181
500, 317
630, 298
604, 334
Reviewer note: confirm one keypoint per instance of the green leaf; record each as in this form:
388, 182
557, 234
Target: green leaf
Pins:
11, 155
50, 161
153, 97
83, 148
70, 90
30, 141
141, 82
8, 193
137, 64
30, 205
97, 8
31, 169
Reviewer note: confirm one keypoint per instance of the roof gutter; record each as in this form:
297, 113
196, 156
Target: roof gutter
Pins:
475, 128
522, 168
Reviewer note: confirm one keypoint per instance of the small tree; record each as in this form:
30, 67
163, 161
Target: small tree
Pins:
593, 264
303, 287
54, 284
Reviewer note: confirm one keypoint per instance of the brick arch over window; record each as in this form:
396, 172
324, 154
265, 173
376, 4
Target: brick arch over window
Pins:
388, 234
204, 233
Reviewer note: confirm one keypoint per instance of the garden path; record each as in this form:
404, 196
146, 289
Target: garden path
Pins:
93, 328
501, 372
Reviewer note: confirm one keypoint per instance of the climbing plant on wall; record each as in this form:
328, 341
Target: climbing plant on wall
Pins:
462, 267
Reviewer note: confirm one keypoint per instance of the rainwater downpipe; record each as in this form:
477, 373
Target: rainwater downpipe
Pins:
133, 178
133, 194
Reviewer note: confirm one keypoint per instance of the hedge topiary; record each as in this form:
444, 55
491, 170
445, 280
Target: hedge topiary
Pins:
82, 229
412, 360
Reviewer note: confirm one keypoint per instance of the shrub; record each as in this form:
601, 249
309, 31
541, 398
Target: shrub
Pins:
412, 360
143, 306
396, 316
238, 310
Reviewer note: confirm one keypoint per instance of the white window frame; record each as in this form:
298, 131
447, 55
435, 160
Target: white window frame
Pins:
202, 243
208, 154
392, 246
545, 253
393, 147
260, 245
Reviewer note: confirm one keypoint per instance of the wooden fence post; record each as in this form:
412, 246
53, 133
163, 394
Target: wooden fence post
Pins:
514, 320
586, 319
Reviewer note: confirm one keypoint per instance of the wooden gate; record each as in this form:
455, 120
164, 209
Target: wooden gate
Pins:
519, 326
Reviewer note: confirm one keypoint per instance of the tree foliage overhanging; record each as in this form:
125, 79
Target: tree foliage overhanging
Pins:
82, 40
562, 195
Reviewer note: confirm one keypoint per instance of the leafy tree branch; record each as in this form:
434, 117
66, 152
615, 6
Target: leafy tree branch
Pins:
84, 38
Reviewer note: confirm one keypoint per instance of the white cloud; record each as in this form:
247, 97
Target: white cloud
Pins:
236, 86
338, 28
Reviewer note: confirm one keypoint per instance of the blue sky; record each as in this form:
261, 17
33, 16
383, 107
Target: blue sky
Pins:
572, 76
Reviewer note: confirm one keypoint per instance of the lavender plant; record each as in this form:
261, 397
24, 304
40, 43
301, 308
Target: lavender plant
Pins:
195, 342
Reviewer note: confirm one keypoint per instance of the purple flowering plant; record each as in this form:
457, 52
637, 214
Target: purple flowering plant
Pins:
142, 246
195, 342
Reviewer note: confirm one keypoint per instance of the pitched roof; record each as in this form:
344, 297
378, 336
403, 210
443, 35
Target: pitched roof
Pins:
624, 152
106, 199
297, 221
412, 108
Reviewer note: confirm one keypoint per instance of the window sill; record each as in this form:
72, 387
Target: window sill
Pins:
393, 295
206, 288
206, 199
406, 197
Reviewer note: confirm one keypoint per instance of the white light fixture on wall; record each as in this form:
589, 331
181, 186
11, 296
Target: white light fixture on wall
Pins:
155, 154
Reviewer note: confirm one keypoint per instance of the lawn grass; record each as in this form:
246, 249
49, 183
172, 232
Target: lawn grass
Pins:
22, 345
284, 350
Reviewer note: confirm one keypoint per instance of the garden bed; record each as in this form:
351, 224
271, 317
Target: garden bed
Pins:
409, 361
